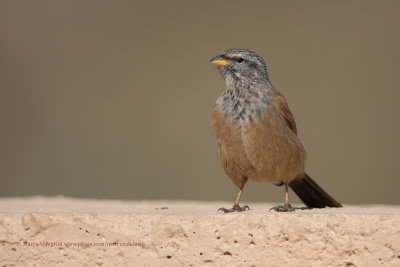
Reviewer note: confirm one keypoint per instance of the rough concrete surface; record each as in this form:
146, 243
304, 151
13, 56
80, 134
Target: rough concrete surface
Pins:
59, 231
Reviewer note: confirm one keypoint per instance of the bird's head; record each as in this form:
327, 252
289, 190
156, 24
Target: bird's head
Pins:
241, 68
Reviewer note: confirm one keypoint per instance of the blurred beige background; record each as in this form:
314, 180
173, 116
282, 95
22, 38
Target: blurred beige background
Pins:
110, 99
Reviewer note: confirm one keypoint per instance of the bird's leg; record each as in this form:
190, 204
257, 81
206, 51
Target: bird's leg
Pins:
236, 206
286, 207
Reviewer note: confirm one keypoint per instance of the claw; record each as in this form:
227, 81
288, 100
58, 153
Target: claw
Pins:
235, 208
284, 208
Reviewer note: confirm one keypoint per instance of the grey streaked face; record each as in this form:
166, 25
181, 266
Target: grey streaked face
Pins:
241, 68
248, 91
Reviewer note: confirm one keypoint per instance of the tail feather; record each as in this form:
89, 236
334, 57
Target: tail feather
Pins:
312, 194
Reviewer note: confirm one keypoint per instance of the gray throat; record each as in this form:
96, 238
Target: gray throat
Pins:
242, 103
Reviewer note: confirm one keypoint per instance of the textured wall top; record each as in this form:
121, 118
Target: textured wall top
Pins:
73, 232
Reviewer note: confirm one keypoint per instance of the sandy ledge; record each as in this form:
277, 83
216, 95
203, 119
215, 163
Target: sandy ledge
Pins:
61, 231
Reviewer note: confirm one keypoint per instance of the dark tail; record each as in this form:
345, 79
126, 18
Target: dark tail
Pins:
312, 194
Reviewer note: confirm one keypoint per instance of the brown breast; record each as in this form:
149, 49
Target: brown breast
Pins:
262, 150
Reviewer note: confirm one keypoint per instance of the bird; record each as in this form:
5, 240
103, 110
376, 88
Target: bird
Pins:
257, 135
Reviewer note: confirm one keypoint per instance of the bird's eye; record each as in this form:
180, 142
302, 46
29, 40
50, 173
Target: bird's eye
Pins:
240, 60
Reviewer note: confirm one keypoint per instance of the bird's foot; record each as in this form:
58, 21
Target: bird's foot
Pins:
284, 208
235, 208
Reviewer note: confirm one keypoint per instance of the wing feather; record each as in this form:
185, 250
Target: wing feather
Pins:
280, 100
271, 144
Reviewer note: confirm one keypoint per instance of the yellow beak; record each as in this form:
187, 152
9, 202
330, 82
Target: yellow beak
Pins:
220, 62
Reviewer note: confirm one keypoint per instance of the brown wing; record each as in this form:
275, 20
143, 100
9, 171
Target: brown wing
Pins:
280, 100
272, 146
